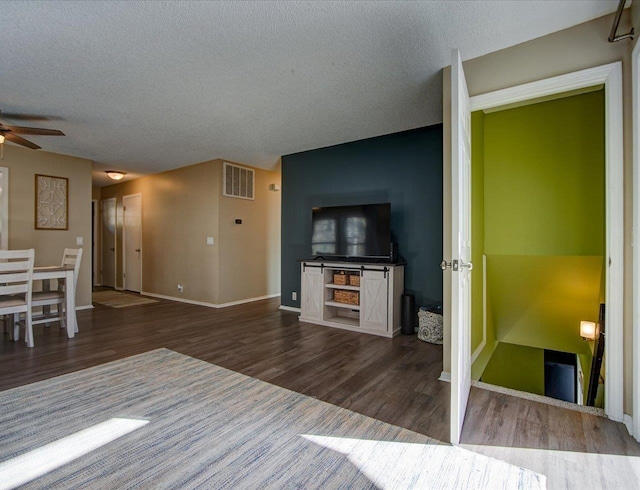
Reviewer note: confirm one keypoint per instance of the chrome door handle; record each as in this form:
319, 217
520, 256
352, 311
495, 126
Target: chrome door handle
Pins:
453, 265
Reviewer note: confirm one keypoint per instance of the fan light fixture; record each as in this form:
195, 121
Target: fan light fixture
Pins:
115, 174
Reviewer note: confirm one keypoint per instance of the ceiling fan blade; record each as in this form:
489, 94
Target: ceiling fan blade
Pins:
42, 131
25, 117
21, 141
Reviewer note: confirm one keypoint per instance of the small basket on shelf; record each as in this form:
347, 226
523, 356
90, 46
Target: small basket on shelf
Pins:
346, 297
340, 278
354, 280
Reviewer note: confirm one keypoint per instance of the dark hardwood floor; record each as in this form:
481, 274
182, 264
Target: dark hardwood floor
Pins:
394, 380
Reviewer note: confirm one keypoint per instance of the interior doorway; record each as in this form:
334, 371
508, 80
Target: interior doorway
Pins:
108, 234
611, 77
538, 219
132, 242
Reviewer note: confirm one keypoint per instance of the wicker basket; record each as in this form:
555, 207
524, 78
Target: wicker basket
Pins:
354, 280
340, 279
430, 329
346, 297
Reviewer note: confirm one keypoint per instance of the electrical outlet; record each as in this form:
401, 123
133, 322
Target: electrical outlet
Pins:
210, 240
294, 296
79, 241
181, 288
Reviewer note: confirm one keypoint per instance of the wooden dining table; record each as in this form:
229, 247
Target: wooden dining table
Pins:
45, 273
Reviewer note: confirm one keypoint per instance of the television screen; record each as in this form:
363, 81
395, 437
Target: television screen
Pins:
352, 231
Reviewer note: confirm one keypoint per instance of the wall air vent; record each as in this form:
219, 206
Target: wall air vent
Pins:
238, 181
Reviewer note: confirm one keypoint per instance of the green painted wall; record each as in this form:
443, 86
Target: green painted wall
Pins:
477, 225
517, 367
538, 191
544, 178
539, 300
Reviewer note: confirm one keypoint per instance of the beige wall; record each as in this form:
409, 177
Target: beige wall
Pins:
23, 164
180, 209
250, 252
582, 46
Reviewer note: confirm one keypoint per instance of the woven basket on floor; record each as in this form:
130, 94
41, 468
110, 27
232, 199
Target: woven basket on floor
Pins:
430, 327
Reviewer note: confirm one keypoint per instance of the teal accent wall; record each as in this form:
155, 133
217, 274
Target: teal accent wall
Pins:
404, 169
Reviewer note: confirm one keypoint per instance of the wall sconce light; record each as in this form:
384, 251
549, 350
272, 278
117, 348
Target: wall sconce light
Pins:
115, 174
587, 330
274, 187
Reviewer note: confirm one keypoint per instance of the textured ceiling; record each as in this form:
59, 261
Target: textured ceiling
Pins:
149, 86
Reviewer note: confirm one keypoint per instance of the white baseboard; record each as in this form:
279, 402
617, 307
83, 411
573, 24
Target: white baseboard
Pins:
444, 376
208, 305
289, 308
85, 307
118, 289
248, 300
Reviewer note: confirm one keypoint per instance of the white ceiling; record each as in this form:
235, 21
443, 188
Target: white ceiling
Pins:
149, 86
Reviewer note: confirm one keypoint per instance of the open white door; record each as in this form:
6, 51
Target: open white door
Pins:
132, 239
461, 246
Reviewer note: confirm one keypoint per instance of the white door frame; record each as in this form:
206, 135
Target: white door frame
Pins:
124, 233
611, 76
635, 244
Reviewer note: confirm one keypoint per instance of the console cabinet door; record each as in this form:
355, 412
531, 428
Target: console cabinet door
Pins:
374, 300
312, 293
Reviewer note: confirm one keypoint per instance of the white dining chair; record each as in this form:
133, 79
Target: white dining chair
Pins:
46, 298
16, 270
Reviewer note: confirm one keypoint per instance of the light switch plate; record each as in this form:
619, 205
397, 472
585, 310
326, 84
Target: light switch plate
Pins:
79, 241
210, 240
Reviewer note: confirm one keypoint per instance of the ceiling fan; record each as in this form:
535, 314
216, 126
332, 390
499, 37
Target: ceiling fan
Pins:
10, 132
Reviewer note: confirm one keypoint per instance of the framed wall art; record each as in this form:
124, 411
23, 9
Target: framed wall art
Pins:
52, 203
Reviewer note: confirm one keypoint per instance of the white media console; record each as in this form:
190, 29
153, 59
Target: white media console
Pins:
373, 304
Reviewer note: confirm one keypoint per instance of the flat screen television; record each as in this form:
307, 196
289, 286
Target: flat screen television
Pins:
362, 231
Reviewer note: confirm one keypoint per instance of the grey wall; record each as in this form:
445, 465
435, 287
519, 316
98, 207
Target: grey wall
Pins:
404, 169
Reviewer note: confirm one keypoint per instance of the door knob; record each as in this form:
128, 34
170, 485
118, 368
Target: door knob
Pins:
137, 249
453, 265
456, 265
112, 249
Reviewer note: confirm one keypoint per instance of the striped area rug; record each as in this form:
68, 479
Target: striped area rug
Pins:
115, 299
197, 425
